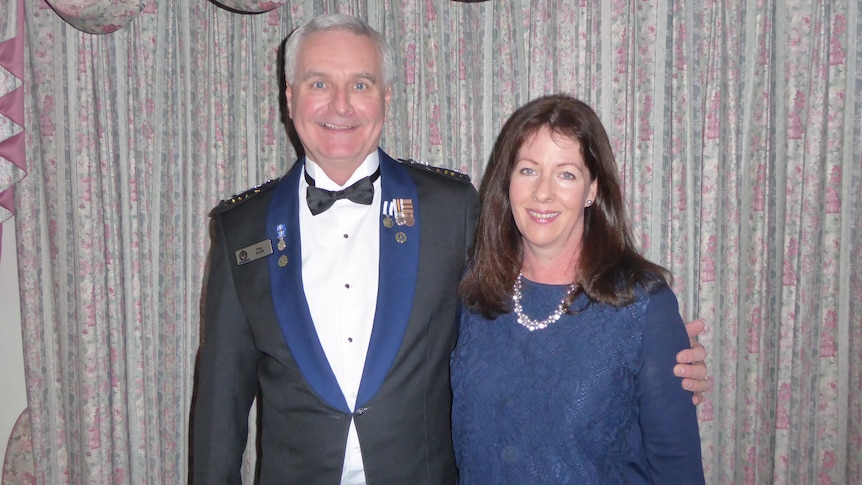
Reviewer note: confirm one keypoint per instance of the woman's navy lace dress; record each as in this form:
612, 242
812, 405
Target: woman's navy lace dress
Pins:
590, 399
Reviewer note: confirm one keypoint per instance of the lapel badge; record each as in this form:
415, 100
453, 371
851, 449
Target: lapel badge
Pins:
253, 252
401, 237
282, 261
282, 233
404, 212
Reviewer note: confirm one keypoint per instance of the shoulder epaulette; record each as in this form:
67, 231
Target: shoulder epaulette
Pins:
228, 204
431, 168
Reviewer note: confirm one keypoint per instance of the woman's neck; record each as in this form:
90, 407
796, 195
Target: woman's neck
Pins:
549, 271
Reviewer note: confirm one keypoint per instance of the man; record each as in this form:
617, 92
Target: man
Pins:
338, 314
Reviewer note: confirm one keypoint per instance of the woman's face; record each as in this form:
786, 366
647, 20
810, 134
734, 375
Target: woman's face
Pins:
549, 189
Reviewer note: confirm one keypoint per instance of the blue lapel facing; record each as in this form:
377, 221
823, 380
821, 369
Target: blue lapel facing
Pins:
399, 262
288, 294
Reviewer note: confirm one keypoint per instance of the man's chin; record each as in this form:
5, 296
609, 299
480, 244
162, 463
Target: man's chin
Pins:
343, 157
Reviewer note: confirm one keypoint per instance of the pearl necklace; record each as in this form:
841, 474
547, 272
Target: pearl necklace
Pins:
528, 322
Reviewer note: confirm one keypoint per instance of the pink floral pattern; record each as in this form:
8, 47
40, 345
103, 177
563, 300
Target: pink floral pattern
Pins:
98, 16
18, 466
735, 126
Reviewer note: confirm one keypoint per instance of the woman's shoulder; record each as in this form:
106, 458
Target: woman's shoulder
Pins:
651, 303
652, 289
660, 295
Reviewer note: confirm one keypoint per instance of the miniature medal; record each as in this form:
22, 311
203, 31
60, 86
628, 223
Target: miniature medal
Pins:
282, 233
399, 212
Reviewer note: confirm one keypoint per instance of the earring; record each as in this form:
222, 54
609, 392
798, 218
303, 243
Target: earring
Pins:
589, 202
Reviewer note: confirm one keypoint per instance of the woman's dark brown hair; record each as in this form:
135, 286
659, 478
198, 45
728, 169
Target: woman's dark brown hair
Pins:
609, 266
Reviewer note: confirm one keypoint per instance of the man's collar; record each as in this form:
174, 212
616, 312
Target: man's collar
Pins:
368, 166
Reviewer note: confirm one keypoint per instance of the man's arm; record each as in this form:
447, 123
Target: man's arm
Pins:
226, 376
690, 363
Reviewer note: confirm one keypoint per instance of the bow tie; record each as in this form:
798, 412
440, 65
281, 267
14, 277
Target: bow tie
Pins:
361, 192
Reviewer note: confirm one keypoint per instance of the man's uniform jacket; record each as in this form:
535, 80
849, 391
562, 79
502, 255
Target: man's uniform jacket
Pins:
258, 337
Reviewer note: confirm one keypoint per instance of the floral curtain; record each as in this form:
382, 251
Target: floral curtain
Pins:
736, 125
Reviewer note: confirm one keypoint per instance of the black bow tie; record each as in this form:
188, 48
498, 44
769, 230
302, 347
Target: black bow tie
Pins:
361, 192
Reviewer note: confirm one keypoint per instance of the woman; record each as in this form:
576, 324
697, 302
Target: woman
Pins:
560, 372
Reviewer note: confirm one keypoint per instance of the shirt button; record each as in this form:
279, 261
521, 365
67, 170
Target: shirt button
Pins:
347, 285
350, 340
346, 236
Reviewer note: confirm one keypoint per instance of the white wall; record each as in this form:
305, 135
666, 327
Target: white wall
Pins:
14, 397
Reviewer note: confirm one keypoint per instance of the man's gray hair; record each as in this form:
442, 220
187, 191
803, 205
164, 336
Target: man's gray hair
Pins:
339, 22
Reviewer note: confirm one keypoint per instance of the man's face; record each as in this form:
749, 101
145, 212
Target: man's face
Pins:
337, 100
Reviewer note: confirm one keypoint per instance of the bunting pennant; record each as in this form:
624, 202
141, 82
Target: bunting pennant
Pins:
12, 106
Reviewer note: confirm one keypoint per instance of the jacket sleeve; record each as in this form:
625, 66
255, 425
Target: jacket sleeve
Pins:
226, 375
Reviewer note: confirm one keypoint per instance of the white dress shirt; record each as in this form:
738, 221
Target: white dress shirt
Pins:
340, 255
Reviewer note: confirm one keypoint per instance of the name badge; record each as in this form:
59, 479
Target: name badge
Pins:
253, 252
